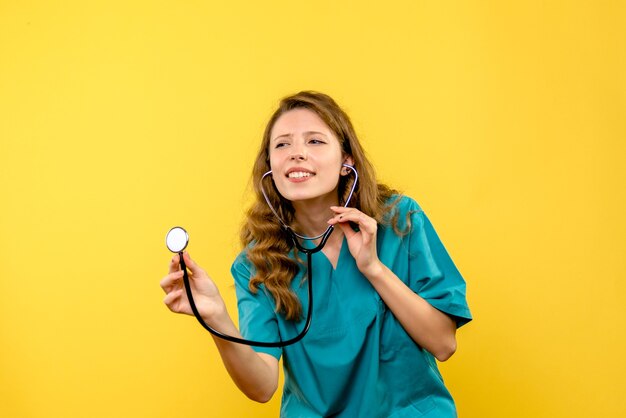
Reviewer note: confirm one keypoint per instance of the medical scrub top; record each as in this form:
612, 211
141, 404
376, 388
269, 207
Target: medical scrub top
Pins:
357, 360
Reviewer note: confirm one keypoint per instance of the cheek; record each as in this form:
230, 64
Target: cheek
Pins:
275, 167
273, 160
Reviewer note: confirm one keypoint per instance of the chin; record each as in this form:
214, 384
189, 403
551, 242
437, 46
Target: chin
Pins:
298, 197
299, 193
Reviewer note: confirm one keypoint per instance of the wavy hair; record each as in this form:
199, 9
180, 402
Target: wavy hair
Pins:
268, 244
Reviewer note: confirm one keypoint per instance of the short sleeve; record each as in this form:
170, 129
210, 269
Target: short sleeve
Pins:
432, 273
257, 318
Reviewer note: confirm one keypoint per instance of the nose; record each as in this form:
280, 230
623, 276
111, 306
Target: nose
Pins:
298, 153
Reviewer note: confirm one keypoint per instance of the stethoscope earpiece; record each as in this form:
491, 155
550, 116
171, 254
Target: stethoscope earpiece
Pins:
294, 234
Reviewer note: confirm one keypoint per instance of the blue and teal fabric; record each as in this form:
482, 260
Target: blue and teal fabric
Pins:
357, 360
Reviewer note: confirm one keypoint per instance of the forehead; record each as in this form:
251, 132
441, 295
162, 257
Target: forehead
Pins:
299, 120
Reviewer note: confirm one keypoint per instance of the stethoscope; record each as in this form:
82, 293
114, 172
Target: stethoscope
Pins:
177, 240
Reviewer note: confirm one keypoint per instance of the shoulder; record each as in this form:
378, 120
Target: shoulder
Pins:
403, 203
242, 268
402, 209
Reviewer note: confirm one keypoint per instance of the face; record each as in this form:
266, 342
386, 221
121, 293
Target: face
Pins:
305, 157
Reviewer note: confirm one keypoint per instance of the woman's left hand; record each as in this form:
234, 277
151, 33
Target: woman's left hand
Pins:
362, 242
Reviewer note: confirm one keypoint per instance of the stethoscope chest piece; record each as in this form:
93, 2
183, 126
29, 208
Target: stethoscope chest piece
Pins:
177, 239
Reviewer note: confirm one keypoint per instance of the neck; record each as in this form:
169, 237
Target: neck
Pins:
312, 215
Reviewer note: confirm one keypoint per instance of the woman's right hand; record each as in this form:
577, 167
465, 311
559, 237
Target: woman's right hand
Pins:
206, 296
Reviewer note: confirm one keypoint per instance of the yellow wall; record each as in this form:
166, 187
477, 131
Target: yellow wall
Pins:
505, 120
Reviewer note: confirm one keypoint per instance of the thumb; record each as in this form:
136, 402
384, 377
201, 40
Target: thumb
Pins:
347, 230
191, 265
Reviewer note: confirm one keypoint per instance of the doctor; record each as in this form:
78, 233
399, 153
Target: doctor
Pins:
388, 296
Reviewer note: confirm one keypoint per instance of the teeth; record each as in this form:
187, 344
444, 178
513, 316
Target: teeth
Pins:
298, 174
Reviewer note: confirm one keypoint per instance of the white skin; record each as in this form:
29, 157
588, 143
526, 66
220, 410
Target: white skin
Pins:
300, 142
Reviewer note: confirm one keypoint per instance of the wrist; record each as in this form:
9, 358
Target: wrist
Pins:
375, 271
218, 318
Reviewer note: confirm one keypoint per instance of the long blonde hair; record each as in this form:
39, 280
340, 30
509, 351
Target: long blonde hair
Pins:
268, 244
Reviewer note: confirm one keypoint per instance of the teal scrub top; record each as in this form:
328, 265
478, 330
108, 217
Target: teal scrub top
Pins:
357, 360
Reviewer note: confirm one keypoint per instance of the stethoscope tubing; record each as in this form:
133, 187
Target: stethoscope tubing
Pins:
308, 251
244, 341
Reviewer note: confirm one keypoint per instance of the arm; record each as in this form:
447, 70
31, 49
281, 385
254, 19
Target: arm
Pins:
427, 326
430, 328
255, 374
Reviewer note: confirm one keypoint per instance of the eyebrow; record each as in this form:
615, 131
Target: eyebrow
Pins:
306, 133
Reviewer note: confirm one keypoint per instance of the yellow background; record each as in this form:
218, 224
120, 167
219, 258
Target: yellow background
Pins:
118, 120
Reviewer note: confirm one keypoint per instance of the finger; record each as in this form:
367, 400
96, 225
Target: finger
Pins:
368, 225
172, 297
354, 215
340, 209
174, 264
341, 214
359, 223
170, 281
191, 265
347, 230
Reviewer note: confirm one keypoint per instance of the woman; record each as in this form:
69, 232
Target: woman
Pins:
388, 298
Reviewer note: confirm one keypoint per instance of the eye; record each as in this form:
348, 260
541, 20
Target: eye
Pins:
280, 145
315, 141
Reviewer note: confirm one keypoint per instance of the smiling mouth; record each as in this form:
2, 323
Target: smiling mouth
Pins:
299, 174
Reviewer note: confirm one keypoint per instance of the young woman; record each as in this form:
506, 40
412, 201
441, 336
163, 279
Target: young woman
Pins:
387, 297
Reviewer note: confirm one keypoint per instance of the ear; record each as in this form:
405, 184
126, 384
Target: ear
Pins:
347, 160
